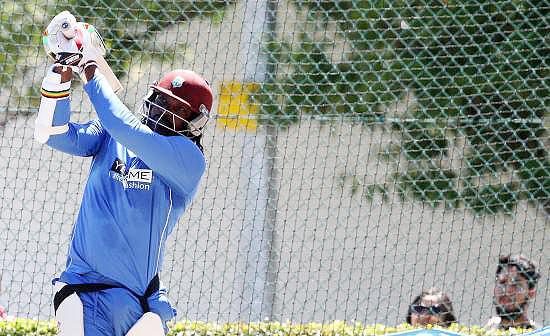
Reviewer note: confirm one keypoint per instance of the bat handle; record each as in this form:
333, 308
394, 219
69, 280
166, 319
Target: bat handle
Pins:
106, 71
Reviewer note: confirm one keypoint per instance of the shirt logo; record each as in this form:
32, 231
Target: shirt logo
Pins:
139, 175
118, 167
132, 178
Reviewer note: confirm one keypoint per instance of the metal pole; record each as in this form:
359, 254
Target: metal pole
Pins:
272, 183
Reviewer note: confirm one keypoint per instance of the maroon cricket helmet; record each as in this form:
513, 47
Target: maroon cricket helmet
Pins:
188, 87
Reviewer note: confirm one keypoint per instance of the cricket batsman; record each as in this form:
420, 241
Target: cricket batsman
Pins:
144, 173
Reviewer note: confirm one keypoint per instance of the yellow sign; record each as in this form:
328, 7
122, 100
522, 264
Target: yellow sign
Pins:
235, 111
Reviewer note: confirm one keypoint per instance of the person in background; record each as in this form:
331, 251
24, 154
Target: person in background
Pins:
3, 311
515, 287
431, 307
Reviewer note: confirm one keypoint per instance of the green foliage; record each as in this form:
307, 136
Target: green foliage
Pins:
432, 185
479, 70
485, 64
129, 27
422, 142
19, 37
25, 327
316, 84
19, 40
491, 198
368, 190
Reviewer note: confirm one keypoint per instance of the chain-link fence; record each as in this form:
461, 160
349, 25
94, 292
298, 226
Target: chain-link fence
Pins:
361, 151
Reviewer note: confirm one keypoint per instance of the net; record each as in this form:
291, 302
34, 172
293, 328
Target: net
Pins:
360, 152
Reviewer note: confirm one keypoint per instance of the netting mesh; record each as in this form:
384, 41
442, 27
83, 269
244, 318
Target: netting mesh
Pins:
360, 152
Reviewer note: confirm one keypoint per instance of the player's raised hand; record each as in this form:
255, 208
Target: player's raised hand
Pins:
77, 45
61, 42
71, 43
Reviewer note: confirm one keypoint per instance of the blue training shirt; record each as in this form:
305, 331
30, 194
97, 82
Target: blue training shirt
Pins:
139, 185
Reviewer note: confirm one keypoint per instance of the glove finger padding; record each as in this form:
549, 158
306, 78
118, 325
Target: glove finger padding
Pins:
71, 43
59, 40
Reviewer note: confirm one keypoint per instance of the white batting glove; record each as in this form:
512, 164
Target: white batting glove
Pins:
60, 40
77, 45
72, 43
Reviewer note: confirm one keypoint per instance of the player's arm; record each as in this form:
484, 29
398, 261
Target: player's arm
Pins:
177, 159
52, 125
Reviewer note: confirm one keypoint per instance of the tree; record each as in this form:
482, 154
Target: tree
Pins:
19, 39
128, 27
479, 71
485, 67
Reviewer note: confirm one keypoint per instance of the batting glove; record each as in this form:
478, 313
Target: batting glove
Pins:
60, 40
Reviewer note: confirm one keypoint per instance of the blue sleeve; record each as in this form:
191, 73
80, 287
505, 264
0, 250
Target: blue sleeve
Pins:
175, 158
80, 139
